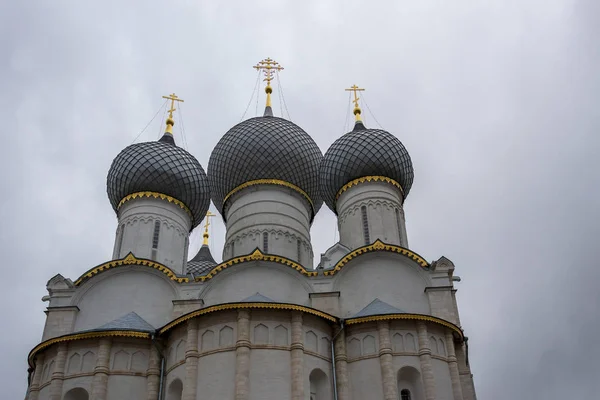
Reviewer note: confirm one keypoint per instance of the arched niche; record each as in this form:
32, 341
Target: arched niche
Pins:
175, 390
409, 381
320, 389
77, 394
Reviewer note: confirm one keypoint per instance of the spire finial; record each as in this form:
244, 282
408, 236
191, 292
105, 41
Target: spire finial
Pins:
268, 66
357, 110
206, 225
170, 121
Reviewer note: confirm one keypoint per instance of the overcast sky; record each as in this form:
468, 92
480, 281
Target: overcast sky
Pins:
498, 105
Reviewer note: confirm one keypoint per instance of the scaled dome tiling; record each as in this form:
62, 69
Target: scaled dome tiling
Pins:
364, 152
202, 262
159, 167
264, 148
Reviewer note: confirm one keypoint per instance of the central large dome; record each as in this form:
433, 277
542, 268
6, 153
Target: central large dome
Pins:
264, 148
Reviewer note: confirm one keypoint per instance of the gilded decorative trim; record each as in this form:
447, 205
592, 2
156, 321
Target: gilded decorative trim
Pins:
269, 182
156, 195
371, 178
130, 259
378, 245
233, 306
257, 255
417, 317
82, 336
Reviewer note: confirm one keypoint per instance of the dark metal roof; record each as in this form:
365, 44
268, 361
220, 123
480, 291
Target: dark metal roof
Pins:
264, 148
159, 167
364, 152
129, 322
257, 298
377, 307
202, 262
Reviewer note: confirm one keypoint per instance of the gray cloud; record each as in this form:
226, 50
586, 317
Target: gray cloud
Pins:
497, 104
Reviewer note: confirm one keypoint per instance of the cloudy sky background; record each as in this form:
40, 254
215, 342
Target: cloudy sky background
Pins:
497, 103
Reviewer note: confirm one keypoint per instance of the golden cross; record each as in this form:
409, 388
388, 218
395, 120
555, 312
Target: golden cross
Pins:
173, 99
268, 66
355, 89
206, 225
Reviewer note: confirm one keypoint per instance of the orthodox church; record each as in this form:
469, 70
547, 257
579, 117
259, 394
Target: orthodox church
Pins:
373, 320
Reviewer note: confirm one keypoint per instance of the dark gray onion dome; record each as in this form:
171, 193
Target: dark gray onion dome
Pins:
265, 148
160, 167
202, 262
364, 152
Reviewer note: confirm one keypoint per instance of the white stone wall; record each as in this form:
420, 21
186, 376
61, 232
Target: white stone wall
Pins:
390, 277
381, 201
279, 283
280, 212
117, 292
135, 232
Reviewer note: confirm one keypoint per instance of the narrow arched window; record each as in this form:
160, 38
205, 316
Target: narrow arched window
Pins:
232, 248
365, 223
121, 233
399, 223
405, 394
265, 242
156, 234
155, 238
299, 249
185, 250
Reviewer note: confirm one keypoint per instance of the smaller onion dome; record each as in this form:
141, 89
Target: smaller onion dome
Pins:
264, 149
202, 262
160, 168
364, 153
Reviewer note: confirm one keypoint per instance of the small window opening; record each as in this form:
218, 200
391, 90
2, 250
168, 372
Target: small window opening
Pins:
405, 394
156, 235
365, 222
399, 223
265, 242
120, 241
233, 249
299, 248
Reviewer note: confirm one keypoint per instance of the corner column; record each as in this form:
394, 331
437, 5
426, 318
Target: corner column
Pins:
100, 381
153, 373
425, 360
242, 355
297, 357
34, 390
190, 387
453, 366
341, 367
390, 385
58, 375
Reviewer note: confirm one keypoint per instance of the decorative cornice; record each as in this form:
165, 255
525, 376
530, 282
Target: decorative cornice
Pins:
270, 182
378, 245
82, 336
157, 195
233, 306
257, 255
415, 317
130, 259
371, 178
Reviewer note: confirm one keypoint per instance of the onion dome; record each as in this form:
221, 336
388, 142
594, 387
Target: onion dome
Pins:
159, 169
265, 150
202, 262
372, 154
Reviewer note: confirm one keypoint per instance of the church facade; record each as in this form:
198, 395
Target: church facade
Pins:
373, 320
